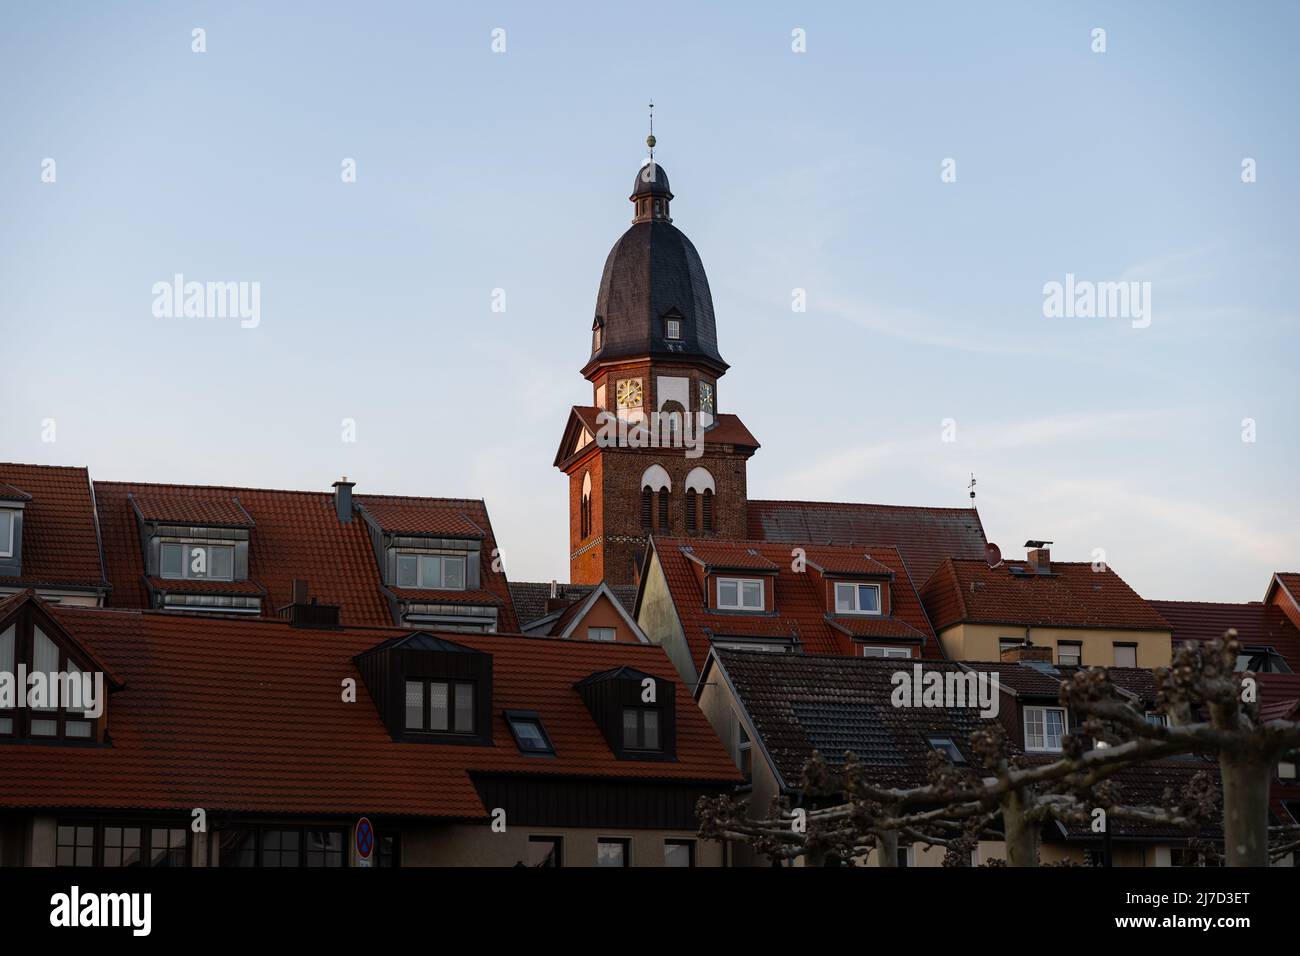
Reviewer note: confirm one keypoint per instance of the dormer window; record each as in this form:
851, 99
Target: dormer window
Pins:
857, 598
440, 707
69, 700
740, 594
7, 525
641, 729
1044, 728
211, 562
442, 572
673, 329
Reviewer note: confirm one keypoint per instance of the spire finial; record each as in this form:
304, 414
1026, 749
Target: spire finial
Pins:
650, 140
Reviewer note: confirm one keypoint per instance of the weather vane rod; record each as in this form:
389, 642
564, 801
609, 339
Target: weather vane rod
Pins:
650, 140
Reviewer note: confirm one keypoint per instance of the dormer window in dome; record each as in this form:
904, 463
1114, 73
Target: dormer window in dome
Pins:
597, 334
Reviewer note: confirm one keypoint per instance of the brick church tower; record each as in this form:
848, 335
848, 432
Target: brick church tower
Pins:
651, 454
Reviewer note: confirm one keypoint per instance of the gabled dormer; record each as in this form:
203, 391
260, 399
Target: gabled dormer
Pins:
430, 690
431, 562
195, 550
13, 502
734, 580
52, 688
854, 585
635, 711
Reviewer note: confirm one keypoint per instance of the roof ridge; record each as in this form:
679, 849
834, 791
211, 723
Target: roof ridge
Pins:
860, 504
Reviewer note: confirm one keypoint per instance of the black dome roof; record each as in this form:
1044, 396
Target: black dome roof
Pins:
651, 181
652, 271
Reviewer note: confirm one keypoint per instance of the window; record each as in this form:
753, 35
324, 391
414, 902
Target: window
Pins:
744, 752
691, 499
584, 507
663, 509
449, 710
121, 845
6, 534
905, 856
674, 329
945, 746
1126, 655
740, 594
647, 508
857, 598
597, 333
1044, 728
679, 853
872, 650
324, 848
282, 847
1069, 653
1006, 643
207, 562
442, 572
613, 851
641, 728
530, 736
706, 509
1158, 720
601, 633
1286, 770
67, 719
545, 851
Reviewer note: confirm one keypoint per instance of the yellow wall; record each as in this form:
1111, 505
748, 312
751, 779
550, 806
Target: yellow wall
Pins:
979, 642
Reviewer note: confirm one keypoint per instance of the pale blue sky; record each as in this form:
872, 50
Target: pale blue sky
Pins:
819, 171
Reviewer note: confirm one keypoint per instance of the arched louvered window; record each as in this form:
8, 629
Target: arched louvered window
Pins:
647, 508
691, 517
708, 509
584, 507
663, 509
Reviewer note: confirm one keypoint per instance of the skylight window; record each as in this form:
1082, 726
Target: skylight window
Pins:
945, 746
529, 734
442, 572
740, 594
207, 562
857, 598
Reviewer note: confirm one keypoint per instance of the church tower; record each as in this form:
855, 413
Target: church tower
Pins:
651, 454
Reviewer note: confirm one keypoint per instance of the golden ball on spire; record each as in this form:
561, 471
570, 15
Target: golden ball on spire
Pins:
650, 140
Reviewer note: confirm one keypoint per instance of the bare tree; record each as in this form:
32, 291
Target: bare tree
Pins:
849, 816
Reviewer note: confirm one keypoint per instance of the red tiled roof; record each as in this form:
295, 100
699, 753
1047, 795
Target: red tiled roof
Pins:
844, 561
447, 518
192, 509
1073, 595
10, 493
434, 596
860, 626
193, 586
801, 604
726, 557
924, 536
246, 715
60, 538
1257, 624
727, 429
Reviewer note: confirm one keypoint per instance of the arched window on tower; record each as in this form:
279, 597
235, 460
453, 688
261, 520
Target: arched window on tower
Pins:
655, 481
699, 488
584, 507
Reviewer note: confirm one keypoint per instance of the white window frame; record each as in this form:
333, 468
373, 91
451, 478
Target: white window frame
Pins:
886, 651
857, 598
420, 583
187, 560
673, 329
740, 604
7, 544
612, 631
1075, 646
1042, 715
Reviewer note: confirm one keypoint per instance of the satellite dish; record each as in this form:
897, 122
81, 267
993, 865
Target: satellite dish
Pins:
992, 554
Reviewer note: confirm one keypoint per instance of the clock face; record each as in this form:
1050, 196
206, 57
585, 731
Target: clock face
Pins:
629, 393
706, 397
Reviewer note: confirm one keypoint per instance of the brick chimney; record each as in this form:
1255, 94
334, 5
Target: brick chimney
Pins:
554, 602
1027, 652
343, 499
1039, 557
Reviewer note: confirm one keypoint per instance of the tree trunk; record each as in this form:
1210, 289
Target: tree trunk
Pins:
1245, 809
1021, 834
887, 847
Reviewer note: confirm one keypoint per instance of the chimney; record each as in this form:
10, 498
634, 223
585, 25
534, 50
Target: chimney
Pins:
298, 592
343, 499
555, 602
1027, 652
302, 612
1039, 557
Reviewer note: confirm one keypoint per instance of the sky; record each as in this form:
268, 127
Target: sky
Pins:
921, 171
